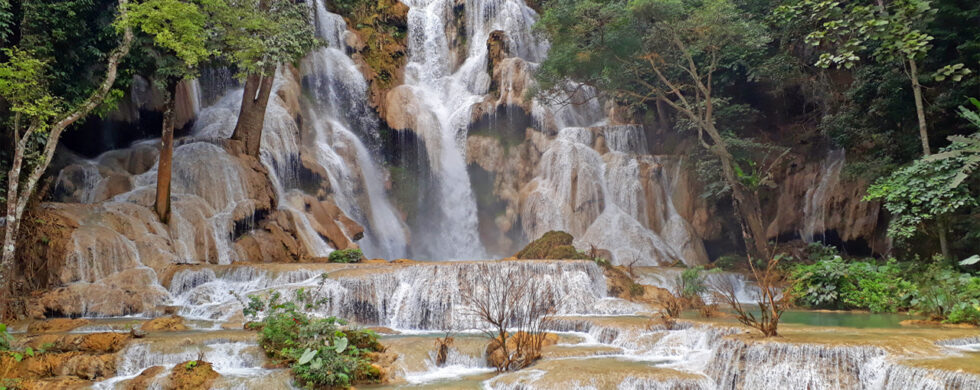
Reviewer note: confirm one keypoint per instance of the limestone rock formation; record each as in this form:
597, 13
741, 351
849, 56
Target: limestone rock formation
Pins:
168, 323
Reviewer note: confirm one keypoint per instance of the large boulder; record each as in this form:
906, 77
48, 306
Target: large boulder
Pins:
553, 245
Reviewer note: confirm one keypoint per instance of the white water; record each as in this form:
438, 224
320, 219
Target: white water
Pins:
815, 206
601, 200
421, 297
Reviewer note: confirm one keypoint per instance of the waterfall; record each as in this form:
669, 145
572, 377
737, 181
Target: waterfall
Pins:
339, 114
602, 200
815, 206
445, 97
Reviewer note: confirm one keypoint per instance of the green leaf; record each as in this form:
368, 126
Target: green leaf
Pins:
29, 351
308, 355
970, 260
340, 344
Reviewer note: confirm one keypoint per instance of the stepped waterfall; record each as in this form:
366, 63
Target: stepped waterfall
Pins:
323, 182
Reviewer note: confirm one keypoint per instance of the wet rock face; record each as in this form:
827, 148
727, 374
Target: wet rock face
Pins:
815, 203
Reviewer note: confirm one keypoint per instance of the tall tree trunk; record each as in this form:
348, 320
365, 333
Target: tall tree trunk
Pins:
747, 210
943, 229
17, 198
165, 167
744, 201
919, 109
252, 115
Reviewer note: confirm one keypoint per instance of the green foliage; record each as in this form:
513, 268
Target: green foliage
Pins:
620, 46
942, 291
73, 37
691, 283
887, 31
190, 365
730, 262
24, 81
834, 283
965, 148
254, 35
175, 25
321, 352
920, 193
382, 26
346, 256
964, 313
5, 338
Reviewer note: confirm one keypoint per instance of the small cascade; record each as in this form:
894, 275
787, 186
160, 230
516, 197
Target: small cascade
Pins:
670, 279
422, 297
238, 362
458, 364
815, 206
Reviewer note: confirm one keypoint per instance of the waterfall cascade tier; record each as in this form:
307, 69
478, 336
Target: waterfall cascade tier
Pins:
603, 342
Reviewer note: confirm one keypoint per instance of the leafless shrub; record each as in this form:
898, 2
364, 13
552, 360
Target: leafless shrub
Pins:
442, 349
629, 267
516, 308
772, 302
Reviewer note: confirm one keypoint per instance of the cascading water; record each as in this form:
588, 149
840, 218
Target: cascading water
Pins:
815, 206
601, 199
340, 112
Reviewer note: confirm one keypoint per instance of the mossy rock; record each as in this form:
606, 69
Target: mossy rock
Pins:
553, 245
192, 374
346, 256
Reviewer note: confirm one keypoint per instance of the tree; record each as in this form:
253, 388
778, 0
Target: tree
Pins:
666, 52
257, 36
516, 309
772, 301
924, 196
24, 86
176, 36
887, 31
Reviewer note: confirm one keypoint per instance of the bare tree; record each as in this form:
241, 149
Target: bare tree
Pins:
517, 309
442, 349
771, 300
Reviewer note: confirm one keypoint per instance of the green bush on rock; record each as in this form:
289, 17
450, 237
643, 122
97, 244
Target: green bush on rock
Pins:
553, 245
346, 256
321, 352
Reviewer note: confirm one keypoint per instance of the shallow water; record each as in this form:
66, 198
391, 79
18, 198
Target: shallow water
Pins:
846, 319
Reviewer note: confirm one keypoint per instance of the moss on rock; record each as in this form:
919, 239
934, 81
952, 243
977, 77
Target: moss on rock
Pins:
553, 245
192, 374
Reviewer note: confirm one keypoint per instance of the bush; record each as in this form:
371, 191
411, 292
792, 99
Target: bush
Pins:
730, 262
346, 256
321, 352
832, 283
945, 294
692, 283
964, 313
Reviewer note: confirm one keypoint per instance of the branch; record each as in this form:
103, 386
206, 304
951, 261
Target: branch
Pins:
93, 101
